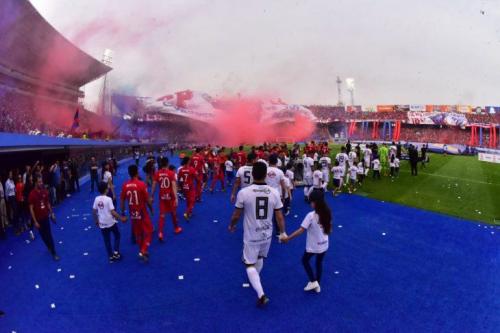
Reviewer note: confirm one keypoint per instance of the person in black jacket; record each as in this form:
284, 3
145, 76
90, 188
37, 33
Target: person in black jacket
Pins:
413, 154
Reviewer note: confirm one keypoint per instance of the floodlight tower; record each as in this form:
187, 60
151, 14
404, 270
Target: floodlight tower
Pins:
350, 88
107, 59
339, 91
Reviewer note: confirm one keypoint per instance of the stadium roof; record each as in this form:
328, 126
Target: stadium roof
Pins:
30, 45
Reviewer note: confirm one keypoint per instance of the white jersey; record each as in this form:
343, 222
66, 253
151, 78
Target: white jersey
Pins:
368, 154
229, 166
107, 177
318, 179
353, 172
342, 158
392, 151
274, 178
104, 205
396, 162
289, 174
376, 164
258, 203
245, 175
263, 161
317, 240
308, 164
338, 172
352, 157
360, 168
315, 157
325, 162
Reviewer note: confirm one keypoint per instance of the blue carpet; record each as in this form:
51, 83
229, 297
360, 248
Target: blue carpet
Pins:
428, 273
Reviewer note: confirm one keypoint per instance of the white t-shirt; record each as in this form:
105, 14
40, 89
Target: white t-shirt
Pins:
263, 161
352, 157
308, 164
325, 162
338, 172
258, 203
104, 205
289, 174
376, 164
353, 172
317, 240
318, 179
229, 165
274, 178
107, 177
360, 168
368, 154
342, 158
245, 175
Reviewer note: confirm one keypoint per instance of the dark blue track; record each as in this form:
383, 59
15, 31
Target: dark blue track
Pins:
429, 272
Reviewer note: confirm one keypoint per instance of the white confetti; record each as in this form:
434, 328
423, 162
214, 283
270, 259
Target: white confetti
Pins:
479, 213
37, 286
215, 221
492, 232
295, 216
340, 225
60, 242
71, 276
11, 253
245, 285
53, 306
459, 197
10, 267
27, 241
336, 272
196, 259
59, 270
67, 217
85, 253
62, 228
85, 218
181, 277
383, 234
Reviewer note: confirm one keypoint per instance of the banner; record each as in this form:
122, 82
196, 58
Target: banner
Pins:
492, 109
402, 108
464, 108
437, 118
417, 107
353, 108
369, 108
441, 108
485, 157
385, 108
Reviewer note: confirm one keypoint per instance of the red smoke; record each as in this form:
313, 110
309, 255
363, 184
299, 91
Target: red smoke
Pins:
238, 122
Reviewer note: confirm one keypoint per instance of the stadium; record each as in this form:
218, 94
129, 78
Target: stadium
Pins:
405, 197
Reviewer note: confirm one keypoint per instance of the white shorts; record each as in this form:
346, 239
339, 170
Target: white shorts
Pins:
251, 252
367, 163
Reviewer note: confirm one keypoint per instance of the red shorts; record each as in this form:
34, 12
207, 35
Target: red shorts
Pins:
167, 206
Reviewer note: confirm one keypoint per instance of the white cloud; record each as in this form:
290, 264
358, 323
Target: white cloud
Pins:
426, 51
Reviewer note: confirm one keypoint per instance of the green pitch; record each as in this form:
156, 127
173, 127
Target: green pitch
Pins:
455, 185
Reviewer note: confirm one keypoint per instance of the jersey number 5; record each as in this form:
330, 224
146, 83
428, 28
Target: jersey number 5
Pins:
246, 175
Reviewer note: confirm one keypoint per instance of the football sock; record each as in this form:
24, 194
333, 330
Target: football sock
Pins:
254, 278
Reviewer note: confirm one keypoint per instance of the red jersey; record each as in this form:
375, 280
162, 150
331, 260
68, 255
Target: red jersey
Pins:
218, 163
197, 162
165, 178
241, 158
187, 175
259, 154
40, 201
20, 192
135, 192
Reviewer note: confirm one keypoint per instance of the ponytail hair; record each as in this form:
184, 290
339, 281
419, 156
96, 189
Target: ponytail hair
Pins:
323, 211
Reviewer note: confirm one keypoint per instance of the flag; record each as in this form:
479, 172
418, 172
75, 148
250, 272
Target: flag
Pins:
76, 120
